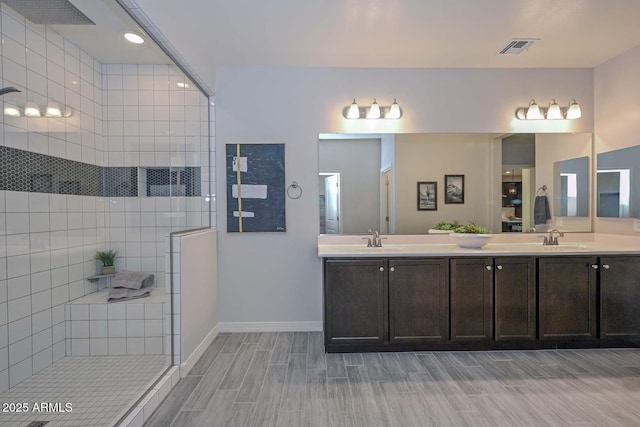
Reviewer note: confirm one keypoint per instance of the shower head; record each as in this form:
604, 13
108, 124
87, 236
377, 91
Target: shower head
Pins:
9, 89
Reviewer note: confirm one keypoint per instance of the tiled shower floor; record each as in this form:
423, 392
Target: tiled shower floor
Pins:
100, 390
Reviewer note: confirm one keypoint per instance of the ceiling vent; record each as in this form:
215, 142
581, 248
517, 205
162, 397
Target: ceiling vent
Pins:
49, 12
516, 46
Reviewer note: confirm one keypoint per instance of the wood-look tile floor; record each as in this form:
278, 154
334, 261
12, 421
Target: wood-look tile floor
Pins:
286, 379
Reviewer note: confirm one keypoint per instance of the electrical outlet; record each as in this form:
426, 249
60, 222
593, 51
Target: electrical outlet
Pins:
559, 222
636, 225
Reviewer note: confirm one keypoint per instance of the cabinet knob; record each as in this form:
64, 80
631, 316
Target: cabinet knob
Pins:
392, 269
605, 266
488, 267
499, 267
594, 266
381, 268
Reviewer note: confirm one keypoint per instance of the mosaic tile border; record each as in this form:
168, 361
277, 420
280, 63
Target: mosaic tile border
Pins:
22, 170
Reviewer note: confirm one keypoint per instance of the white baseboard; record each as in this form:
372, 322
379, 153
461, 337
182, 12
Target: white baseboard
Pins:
270, 326
187, 365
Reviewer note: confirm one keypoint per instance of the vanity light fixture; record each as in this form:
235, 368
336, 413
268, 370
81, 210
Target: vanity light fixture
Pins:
553, 112
375, 111
182, 85
31, 109
133, 38
53, 110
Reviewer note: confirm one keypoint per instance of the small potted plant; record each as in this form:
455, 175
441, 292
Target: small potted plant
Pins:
107, 258
471, 236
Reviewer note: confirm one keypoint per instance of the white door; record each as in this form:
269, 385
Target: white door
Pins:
332, 200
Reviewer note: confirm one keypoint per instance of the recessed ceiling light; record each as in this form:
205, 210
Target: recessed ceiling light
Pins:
134, 38
183, 85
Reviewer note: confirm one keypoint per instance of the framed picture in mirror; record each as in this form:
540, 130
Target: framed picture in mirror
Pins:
428, 196
454, 189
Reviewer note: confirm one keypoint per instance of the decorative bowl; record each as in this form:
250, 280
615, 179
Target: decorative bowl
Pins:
469, 240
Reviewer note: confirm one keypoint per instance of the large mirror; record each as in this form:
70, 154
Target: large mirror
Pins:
371, 181
618, 178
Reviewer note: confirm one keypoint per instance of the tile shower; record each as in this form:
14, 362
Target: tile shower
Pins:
129, 165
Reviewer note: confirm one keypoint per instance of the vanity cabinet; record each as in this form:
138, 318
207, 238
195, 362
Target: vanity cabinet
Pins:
418, 300
515, 298
471, 282
464, 303
355, 298
568, 298
620, 297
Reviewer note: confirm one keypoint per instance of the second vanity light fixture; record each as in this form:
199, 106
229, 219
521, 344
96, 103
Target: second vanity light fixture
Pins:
552, 112
375, 111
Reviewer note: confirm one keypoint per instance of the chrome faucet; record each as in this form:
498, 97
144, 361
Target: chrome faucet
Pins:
375, 241
552, 238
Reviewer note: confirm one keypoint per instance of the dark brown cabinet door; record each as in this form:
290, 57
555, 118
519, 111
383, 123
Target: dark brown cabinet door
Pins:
355, 294
471, 299
567, 302
418, 300
515, 298
620, 297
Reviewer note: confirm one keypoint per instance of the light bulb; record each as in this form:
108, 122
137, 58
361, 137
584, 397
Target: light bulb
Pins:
574, 111
354, 111
554, 112
394, 111
11, 110
374, 111
133, 38
53, 110
533, 112
32, 110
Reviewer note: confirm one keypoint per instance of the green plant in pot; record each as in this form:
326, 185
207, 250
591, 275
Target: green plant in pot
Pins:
107, 258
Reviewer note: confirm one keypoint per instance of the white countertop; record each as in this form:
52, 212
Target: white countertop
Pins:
501, 245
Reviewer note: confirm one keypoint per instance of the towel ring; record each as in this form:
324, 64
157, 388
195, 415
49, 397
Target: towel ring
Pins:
542, 191
294, 190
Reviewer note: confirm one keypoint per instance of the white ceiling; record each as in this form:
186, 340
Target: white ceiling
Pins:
385, 33
104, 41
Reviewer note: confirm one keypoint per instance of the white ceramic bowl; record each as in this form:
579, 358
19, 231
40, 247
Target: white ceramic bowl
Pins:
470, 241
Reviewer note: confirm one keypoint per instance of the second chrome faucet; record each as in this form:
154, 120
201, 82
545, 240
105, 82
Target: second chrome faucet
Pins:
552, 238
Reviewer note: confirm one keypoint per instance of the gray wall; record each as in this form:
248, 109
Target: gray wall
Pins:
284, 281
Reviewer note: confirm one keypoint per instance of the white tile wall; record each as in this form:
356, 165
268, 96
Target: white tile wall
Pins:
123, 115
37, 250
